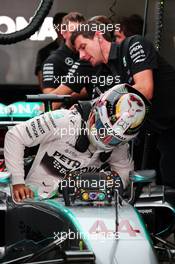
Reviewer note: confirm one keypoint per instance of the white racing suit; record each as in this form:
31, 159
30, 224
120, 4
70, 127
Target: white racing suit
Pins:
56, 132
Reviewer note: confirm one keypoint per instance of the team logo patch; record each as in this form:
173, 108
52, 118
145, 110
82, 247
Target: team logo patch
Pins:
69, 61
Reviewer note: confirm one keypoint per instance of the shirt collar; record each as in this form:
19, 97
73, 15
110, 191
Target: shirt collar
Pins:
68, 51
113, 54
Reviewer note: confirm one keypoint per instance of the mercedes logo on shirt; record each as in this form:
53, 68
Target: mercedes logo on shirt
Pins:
69, 61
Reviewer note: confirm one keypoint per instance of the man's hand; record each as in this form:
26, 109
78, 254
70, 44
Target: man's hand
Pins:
21, 192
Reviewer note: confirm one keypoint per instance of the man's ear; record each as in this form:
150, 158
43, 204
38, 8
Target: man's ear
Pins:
63, 33
98, 35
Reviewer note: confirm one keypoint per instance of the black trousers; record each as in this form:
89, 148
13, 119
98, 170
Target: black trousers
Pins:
156, 150
166, 146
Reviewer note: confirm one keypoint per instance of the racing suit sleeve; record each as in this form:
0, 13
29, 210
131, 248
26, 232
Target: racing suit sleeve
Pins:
38, 130
121, 162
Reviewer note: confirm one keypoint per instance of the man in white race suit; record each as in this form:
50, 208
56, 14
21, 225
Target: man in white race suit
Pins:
114, 119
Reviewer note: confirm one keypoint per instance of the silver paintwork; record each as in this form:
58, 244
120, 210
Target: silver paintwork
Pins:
2, 252
132, 245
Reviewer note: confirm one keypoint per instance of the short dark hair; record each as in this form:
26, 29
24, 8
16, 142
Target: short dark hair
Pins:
102, 19
73, 17
105, 21
58, 18
87, 30
132, 25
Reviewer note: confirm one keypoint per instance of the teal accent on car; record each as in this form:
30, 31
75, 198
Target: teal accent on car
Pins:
144, 227
5, 180
70, 217
21, 110
140, 178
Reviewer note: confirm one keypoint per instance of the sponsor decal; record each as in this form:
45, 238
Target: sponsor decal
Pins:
28, 133
53, 166
52, 121
35, 132
45, 122
100, 227
70, 152
69, 61
115, 133
75, 66
48, 71
88, 169
60, 165
66, 160
124, 62
137, 53
126, 227
40, 126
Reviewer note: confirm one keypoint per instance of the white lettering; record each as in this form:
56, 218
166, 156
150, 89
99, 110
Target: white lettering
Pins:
21, 23
47, 30
9, 25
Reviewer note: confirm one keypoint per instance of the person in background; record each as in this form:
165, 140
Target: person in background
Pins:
83, 80
44, 52
129, 26
138, 64
104, 20
57, 65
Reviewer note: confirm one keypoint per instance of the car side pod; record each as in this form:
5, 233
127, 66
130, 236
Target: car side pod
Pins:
4, 182
156, 206
3, 210
140, 177
38, 231
4, 178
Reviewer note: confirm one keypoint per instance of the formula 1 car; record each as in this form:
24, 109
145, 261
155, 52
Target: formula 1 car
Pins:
89, 224
95, 227
85, 224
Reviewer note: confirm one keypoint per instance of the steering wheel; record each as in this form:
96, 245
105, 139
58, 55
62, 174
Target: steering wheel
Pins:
89, 187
